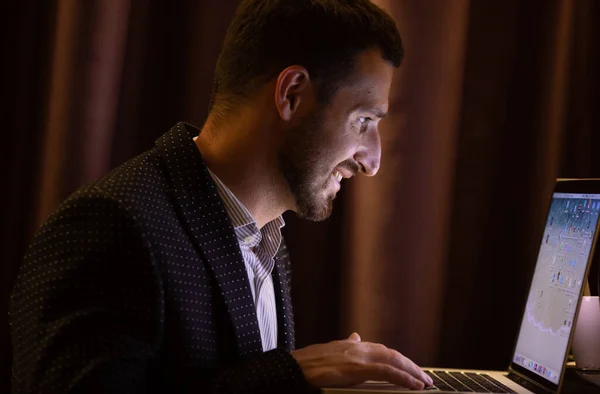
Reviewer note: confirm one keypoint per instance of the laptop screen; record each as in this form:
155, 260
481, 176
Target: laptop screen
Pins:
557, 280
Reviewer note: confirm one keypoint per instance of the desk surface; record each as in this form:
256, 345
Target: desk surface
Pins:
576, 385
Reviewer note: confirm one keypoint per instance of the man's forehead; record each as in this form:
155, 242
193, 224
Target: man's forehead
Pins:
366, 94
370, 80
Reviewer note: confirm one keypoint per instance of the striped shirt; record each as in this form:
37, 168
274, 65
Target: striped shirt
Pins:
258, 247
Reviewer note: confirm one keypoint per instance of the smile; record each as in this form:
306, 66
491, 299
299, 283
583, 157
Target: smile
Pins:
338, 175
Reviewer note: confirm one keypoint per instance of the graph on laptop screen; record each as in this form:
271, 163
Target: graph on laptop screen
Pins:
557, 280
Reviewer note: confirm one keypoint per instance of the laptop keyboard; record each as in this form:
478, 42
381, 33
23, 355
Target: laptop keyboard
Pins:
467, 381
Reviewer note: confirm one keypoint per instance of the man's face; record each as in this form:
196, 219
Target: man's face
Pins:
337, 141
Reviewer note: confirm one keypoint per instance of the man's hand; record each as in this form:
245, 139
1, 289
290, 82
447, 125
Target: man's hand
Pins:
350, 362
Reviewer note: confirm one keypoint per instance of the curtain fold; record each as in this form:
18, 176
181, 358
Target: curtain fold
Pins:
88, 52
398, 221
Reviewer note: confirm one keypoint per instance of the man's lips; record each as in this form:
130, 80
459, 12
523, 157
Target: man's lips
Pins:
344, 172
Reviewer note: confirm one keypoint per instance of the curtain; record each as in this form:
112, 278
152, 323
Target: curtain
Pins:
432, 256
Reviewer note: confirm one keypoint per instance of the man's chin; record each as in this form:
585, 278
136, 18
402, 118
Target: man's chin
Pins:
316, 212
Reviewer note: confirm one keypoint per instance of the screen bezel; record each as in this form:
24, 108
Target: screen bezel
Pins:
575, 186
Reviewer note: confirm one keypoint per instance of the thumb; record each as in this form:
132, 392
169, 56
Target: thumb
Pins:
354, 337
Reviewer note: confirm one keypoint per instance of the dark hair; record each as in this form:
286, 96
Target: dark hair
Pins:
324, 36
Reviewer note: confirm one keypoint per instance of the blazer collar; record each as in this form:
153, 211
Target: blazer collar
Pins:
282, 278
206, 219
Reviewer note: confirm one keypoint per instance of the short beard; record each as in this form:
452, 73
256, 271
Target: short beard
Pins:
300, 158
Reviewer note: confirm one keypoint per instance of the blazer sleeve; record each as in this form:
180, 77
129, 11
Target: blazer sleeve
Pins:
87, 312
86, 309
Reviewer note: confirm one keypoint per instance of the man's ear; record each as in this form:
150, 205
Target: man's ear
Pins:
290, 90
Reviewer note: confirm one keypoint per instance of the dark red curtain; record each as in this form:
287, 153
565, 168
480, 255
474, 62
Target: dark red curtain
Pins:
432, 256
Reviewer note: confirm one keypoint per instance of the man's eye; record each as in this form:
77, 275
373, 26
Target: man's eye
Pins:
364, 120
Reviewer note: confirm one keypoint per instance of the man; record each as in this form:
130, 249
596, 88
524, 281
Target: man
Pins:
170, 274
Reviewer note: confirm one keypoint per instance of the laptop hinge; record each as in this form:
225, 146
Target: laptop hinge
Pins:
526, 382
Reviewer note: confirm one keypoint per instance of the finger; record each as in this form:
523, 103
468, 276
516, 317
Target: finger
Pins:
409, 366
393, 375
382, 354
354, 337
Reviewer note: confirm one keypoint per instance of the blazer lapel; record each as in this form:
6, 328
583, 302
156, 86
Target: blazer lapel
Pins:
282, 278
206, 219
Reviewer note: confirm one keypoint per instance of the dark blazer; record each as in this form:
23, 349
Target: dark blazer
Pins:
137, 284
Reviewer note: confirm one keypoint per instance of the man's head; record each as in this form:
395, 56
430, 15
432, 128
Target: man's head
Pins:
328, 64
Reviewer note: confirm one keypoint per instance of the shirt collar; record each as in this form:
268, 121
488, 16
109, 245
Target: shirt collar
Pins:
245, 227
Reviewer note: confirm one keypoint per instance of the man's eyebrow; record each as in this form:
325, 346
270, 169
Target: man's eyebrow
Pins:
379, 113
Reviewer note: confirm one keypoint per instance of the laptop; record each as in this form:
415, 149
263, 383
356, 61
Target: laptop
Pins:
547, 325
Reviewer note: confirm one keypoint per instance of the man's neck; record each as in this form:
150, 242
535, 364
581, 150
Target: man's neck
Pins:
243, 160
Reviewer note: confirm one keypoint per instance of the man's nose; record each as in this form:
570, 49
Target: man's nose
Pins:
369, 154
